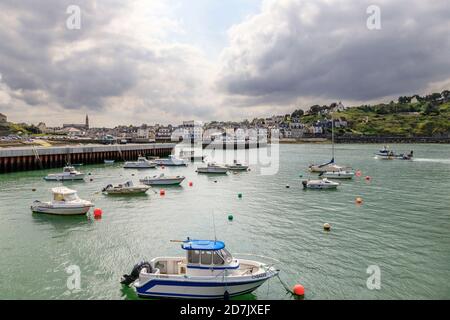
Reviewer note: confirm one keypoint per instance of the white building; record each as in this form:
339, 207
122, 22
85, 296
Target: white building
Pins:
3, 118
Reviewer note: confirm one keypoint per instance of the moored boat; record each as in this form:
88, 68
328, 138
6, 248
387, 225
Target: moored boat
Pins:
141, 163
208, 271
212, 167
126, 188
162, 180
237, 166
320, 184
171, 161
343, 174
109, 161
65, 202
69, 174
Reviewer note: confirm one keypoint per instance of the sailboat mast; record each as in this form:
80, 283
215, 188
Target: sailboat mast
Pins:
332, 136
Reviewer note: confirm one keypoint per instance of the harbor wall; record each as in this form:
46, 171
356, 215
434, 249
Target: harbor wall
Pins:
34, 158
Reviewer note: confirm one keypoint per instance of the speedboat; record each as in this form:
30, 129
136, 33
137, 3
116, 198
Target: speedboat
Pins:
69, 173
208, 271
171, 161
126, 188
320, 184
162, 180
385, 154
141, 163
343, 174
65, 202
237, 166
212, 167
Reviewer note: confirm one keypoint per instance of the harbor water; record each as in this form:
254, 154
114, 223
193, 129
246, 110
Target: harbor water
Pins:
402, 227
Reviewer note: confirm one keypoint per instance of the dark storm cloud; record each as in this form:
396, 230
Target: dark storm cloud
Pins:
33, 31
324, 49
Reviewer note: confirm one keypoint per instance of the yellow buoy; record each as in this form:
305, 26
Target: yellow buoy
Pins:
327, 227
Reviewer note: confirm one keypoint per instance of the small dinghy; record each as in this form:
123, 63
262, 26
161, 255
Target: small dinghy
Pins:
343, 174
162, 180
237, 166
126, 188
320, 184
212, 167
141, 163
69, 174
208, 271
65, 202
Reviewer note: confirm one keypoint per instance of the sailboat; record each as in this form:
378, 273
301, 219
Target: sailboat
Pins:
330, 166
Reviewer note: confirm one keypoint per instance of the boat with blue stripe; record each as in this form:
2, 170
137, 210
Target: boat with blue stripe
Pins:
208, 271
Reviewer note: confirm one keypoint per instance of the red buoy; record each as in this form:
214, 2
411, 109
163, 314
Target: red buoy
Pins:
358, 173
162, 192
368, 178
190, 184
98, 213
299, 290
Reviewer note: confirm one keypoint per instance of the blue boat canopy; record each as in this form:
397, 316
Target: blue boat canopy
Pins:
203, 245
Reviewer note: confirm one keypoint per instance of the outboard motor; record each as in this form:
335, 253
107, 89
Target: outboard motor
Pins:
128, 279
304, 183
107, 187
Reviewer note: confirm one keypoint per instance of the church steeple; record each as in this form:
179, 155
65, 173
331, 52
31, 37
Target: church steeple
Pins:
87, 122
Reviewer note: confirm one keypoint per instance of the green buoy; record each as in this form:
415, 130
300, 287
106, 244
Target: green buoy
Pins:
240, 195
230, 217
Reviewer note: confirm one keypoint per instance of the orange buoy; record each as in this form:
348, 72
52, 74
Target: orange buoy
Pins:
190, 184
98, 213
327, 227
299, 290
359, 200
162, 192
358, 173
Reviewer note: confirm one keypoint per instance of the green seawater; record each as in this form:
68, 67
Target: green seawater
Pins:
403, 226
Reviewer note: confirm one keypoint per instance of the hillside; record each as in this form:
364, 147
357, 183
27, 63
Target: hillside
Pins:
417, 119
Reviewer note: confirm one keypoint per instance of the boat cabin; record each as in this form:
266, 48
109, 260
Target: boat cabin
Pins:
69, 169
203, 258
64, 194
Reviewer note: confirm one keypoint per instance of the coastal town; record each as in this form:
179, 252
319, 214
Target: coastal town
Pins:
313, 125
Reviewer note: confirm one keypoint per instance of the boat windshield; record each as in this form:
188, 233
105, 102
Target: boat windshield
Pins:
227, 257
206, 257
65, 197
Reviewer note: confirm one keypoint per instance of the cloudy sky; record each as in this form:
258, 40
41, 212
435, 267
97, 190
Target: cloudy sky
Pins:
165, 61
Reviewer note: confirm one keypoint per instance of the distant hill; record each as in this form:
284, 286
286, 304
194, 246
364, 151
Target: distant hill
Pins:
409, 117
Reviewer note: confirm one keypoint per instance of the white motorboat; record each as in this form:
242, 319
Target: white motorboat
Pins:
65, 202
237, 166
320, 184
386, 154
344, 174
191, 155
126, 188
141, 163
212, 167
208, 271
171, 161
162, 180
69, 173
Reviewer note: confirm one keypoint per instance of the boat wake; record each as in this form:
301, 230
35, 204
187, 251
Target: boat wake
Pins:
445, 161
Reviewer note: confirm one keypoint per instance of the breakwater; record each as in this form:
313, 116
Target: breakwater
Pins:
33, 158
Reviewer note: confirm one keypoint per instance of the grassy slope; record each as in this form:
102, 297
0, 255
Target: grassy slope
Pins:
402, 123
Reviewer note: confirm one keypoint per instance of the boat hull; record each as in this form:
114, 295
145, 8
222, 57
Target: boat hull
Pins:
64, 178
195, 288
212, 170
73, 211
337, 175
238, 168
127, 191
163, 182
170, 163
139, 166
